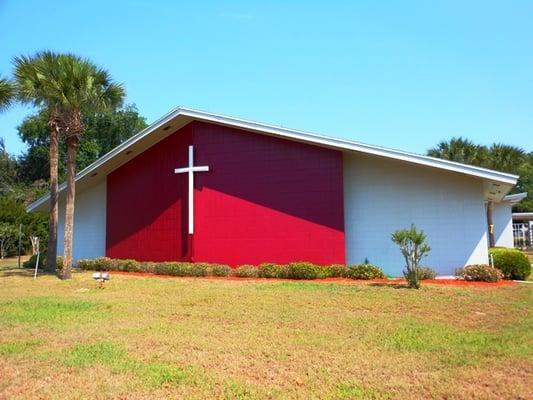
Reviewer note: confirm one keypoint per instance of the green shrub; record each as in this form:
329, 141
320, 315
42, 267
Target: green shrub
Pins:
42, 262
303, 270
246, 271
127, 266
413, 246
479, 272
271, 270
364, 271
33, 259
426, 273
96, 264
512, 262
333, 271
180, 269
148, 266
218, 270
59, 264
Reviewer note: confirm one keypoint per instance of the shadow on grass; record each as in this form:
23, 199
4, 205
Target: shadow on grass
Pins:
21, 272
390, 285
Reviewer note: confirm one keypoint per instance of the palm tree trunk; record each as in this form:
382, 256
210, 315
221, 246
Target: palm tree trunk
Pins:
72, 148
52, 233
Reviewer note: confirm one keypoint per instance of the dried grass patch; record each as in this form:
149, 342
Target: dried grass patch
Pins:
177, 338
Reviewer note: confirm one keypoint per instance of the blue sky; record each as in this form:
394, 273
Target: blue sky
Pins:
401, 74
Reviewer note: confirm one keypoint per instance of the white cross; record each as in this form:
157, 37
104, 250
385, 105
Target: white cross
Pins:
191, 169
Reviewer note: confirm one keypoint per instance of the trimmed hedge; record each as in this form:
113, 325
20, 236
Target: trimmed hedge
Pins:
512, 262
303, 270
334, 271
479, 272
271, 270
295, 270
247, 271
181, 269
218, 270
426, 273
364, 271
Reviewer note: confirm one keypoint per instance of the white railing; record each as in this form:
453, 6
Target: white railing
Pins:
522, 235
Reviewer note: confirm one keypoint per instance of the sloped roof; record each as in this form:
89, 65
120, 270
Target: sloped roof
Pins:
497, 184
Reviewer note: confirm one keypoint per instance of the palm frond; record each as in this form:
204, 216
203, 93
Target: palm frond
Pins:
65, 83
7, 93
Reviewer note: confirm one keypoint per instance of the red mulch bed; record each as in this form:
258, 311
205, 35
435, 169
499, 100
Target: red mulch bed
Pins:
448, 282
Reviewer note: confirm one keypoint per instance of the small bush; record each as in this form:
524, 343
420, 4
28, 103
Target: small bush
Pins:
333, 271
96, 264
513, 263
247, 271
426, 273
180, 269
219, 270
33, 259
271, 270
148, 266
364, 271
42, 262
59, 264
303, 270
413, 246
127, 266
479, 272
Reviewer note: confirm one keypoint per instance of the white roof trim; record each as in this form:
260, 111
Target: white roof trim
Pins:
523, 216
339, 144
515, 198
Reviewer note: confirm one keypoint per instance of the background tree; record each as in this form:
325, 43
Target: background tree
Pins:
8, 170
7, 93
460, 150
84, 88
8, 236
38, 82
103, 132
498, 156
13, 212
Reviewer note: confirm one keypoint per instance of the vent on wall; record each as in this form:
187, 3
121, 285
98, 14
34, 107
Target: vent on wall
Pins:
166, 128
94, 174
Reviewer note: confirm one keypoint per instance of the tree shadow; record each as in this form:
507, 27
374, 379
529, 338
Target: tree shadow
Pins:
27, 273
390, 285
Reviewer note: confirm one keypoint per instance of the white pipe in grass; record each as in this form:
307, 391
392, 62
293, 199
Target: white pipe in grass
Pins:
37, 261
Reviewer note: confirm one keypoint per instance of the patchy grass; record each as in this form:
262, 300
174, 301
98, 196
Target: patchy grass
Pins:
12, 262
199, 338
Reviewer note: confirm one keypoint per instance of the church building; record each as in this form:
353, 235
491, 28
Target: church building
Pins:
196, 186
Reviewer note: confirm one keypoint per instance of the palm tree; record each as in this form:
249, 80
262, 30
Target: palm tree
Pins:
88, 89
460, 150
36, 80
506, 158
7, 93
68, 87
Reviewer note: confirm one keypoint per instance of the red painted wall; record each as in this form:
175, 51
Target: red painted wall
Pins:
264, 199
147, 204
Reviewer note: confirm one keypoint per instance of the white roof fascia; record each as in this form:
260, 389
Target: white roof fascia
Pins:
515, 198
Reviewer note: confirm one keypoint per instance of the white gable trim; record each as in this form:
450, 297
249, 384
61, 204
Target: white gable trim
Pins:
515, 198
340, 144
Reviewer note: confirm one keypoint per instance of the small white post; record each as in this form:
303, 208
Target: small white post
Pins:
37, 261
492, 260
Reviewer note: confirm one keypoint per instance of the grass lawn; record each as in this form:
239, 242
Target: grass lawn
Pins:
196, 338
